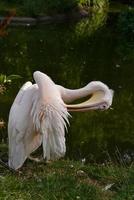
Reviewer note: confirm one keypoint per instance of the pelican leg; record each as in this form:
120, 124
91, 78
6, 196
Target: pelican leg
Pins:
38, 160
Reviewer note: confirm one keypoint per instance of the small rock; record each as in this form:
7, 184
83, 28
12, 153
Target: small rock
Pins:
83, 160
71, 166
117, 65
107, 187
81, 173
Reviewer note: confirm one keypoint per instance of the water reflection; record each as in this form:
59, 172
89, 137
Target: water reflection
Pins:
73, 54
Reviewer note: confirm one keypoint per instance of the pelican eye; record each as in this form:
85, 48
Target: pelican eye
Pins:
103, 107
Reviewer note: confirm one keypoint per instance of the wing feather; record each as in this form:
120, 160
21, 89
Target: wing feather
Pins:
52, 126
23, 139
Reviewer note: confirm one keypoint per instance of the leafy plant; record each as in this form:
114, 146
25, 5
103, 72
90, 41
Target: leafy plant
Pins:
6, 79
35, 7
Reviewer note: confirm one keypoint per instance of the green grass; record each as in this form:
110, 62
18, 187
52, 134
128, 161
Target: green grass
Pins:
67, 180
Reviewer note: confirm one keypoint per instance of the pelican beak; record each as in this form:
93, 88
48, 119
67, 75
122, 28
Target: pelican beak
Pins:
98, 101
86, 107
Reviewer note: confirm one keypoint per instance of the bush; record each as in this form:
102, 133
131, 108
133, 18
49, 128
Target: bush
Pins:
61, 5
36, 7
14, 1
33, 7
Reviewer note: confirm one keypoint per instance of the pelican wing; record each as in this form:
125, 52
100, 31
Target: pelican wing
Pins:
50, 116
51, 120
23, 139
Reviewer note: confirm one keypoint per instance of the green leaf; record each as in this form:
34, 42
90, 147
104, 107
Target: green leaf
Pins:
2, 78
13, 77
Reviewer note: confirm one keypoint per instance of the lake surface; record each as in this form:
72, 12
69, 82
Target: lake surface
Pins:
73, 54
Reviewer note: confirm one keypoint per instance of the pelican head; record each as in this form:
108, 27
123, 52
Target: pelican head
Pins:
100, 97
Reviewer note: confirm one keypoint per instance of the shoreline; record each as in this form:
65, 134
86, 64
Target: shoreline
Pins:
46, 19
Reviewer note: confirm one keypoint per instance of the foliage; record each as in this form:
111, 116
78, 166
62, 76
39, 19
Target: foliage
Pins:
39, 7
125, 27
33, 7
61, 5
97, 20
131, 2
6, 79
126, 24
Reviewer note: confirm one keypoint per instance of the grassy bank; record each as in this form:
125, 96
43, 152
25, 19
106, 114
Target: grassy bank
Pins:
68, 180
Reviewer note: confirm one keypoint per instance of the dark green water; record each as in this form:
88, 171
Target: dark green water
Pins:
73, 54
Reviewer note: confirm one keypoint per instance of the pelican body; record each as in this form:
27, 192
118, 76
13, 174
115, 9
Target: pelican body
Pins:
39, 116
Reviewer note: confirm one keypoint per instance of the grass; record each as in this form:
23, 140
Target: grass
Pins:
67, 180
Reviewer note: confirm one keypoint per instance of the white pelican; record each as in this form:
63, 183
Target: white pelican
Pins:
39, 115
